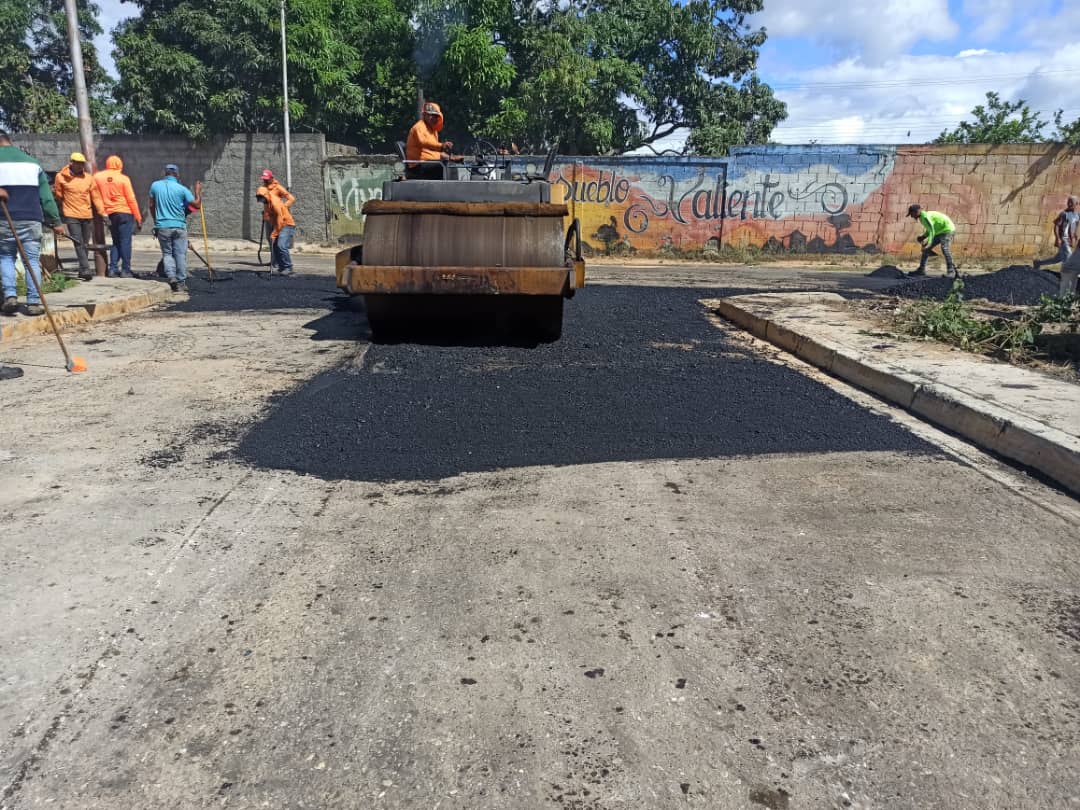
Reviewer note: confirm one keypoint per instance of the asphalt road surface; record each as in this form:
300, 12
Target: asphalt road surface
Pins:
253, 560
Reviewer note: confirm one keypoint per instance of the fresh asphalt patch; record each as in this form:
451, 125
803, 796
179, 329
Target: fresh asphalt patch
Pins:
246, 290
638, 374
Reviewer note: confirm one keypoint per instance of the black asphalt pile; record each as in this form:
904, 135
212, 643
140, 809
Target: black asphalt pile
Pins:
238, 290
887, 271
1018, 285
639, 374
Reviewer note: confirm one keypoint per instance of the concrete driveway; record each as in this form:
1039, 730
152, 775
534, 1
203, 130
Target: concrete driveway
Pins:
251, 560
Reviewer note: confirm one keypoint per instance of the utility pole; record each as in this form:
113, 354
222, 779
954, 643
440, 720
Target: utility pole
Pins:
86, 127
285, 95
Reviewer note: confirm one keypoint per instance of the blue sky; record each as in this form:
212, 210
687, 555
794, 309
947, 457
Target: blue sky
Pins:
893, 71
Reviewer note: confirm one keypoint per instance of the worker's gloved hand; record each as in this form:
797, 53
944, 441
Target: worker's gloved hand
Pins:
59, 230
448, 145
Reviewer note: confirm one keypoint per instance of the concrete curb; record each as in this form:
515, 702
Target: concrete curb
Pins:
1052, 452
79, 314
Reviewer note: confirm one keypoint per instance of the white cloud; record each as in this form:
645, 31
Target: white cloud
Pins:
995, 16
873, 32
1052, 30
911, 99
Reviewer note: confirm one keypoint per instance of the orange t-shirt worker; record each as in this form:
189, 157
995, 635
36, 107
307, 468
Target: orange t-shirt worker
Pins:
424, 144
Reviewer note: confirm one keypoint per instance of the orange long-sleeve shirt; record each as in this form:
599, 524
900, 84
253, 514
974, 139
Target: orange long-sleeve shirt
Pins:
280, 216
77, 193
275, 189
117, 194
423, 143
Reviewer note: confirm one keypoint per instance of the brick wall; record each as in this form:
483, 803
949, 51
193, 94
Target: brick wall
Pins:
228, 166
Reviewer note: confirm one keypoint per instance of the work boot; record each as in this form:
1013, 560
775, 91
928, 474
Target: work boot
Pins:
10, 372
174, 285
35, 309
86, 275
916, 273
182, 287
11, 305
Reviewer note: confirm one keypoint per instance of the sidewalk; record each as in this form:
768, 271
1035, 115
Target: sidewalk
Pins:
96, 300
1021, 414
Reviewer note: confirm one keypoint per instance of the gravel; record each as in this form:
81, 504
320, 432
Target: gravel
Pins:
1018, 285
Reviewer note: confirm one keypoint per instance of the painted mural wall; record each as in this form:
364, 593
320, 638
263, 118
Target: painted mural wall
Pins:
824, 199
792, 199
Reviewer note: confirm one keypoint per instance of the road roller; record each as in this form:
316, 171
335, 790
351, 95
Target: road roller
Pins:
484, 242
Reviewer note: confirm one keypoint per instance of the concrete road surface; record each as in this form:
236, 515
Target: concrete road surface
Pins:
251, 560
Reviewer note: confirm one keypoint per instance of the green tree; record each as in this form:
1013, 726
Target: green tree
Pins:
201, 67
36, 79
598, 76
1066, 133
998, 122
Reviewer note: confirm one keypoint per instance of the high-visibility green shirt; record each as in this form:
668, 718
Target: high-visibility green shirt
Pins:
936, 224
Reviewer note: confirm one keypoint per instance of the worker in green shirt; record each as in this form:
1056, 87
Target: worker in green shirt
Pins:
939, 231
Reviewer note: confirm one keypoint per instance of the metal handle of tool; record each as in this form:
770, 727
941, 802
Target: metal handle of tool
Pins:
262, 235
91, 246
30, 275
206, 244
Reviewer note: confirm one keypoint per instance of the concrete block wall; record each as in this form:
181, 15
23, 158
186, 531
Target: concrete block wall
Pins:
229, 168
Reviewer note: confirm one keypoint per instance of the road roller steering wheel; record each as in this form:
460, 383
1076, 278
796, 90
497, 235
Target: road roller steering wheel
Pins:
485, 153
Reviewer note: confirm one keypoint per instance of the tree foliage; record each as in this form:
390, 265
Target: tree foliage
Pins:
202, 67
593, 76
600, 76
36, 79
1066, 133
1008, 122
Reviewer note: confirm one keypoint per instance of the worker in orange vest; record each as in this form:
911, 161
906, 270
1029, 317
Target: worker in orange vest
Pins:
79, 199
118, 199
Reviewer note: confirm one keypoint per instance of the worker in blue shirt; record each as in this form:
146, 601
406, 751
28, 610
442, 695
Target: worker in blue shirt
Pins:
170, 203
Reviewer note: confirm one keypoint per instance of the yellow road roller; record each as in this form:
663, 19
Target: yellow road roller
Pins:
465, 247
